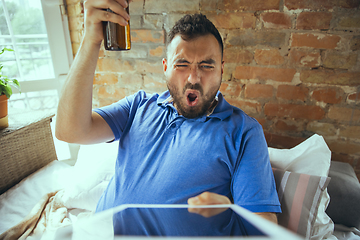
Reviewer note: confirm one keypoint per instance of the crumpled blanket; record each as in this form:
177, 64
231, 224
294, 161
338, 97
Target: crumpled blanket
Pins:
49, 213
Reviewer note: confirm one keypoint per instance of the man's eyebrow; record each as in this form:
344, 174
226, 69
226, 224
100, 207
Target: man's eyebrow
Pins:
208, 61
181, 60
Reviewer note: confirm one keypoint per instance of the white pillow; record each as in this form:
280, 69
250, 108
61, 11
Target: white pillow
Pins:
310, 157
17, 202
92, 172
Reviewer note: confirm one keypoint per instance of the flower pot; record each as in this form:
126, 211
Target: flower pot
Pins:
4, 123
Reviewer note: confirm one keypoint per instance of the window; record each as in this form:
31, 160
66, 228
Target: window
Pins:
38, 32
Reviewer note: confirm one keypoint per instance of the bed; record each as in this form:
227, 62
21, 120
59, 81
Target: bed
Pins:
320, 199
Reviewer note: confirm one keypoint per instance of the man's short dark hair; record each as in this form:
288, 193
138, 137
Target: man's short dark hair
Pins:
193, 26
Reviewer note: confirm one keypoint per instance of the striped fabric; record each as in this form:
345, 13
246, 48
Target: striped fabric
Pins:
299, 195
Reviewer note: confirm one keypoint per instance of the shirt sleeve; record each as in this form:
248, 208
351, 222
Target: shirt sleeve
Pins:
253, 184
118, 115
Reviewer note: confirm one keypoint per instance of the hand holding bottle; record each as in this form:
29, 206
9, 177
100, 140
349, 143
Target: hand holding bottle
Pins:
95, 13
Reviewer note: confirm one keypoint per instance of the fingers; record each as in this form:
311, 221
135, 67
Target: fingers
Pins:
104, 4
207, 212
95, 11
207, 198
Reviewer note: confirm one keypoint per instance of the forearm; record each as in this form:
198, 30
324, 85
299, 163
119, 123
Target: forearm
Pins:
75, 121
75, 106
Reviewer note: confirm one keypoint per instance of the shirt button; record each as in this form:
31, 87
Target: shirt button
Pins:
173, 125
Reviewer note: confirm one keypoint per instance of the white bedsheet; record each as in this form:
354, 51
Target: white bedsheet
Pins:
82, 184
17, 202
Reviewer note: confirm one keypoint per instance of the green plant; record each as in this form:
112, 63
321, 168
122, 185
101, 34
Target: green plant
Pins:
5, 82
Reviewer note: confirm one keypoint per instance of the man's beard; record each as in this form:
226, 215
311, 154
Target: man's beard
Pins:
201, 108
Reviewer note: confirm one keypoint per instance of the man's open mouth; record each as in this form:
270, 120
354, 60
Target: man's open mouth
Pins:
192, 97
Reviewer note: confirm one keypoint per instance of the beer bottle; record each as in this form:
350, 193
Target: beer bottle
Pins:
116, 37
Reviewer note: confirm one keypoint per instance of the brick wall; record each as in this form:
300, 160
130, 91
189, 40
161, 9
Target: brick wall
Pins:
293, 65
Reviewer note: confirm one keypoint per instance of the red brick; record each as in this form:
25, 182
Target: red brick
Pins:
76, 36
355, 43
320, 4
258, 91
105, 79
134, 80
75, 47
240, 20
251, 5
276, 20
346, 147
276, 74
349, 22
279, 141
152, 21
268, 57
158, 51
147, 36
325, 129
341, 157
305, 58
104, 102
327, 95
330, 77
262, 121
289, 126
228, 71
72, 1
111, 92
230, 89
343, 114
339, 59
136, 7
289, 92
357, 163
321, 41
314, 20
114, 65
248, 38
237, 55
350, 132
354, 96
209, 5
165, 6
149, 66
248, 107
154, 83
294, 111
76, 23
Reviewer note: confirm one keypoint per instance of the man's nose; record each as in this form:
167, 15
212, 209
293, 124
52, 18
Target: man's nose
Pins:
194, 75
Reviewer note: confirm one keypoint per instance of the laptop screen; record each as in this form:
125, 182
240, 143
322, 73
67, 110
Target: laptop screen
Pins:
182, 222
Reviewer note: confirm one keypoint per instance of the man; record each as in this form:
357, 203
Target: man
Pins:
186, 145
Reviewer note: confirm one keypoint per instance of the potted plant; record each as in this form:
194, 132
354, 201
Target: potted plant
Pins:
6, 85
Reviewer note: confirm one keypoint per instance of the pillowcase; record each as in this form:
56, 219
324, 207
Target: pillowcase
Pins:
300, 196
92, 172
310, 157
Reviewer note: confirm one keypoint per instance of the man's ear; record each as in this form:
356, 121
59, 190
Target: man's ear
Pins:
164, 62
222, 67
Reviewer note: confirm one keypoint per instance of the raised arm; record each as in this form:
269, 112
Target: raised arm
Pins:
75, 121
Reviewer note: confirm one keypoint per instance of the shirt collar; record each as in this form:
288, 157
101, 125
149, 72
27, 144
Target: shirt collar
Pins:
222, 110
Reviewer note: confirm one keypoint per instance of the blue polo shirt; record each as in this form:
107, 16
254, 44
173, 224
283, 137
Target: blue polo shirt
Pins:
165, 158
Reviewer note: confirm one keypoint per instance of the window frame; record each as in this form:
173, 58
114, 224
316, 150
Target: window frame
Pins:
58, 33
56, 19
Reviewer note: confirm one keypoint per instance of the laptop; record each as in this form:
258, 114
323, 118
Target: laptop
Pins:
139, 221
